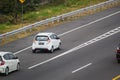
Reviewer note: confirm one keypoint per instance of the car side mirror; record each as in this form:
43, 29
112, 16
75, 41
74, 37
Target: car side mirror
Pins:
57, 38
15, 57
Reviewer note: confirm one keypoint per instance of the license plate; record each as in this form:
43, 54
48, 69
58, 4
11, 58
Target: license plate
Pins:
41, 43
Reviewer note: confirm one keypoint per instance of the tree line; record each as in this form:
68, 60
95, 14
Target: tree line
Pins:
10, 10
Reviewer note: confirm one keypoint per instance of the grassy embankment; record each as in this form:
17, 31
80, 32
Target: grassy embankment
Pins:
47, 11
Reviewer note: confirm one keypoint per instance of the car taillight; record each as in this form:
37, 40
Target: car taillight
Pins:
118, 51
2, 63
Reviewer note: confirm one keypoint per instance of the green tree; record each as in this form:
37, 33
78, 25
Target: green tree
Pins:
10, 10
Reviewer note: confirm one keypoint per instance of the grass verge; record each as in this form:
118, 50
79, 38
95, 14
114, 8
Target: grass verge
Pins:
47, 11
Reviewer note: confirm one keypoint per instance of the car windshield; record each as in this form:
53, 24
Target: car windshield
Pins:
41, 38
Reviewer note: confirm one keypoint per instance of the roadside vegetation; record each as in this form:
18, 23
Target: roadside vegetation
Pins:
36, 10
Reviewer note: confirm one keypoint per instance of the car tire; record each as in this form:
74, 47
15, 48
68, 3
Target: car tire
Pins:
18, 67
52, 49
118, 61
34, 51
6, 71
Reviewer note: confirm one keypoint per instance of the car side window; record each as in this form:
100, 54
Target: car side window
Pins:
11, 56
6, 57
54, 36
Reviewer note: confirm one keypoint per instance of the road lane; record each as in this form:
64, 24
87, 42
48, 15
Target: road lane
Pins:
103, 36
101, 54
104, 64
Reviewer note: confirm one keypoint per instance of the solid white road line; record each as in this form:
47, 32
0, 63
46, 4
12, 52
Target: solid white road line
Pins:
75, 29
81, 68
103, 36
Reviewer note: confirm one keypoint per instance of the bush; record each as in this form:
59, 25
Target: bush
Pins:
3, 19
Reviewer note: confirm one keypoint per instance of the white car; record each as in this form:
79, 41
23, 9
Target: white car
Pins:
46, 41
8, 63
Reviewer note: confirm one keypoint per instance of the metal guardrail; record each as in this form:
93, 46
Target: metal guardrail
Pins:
58, 18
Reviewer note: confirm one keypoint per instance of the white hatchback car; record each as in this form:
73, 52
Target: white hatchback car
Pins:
8, 62
46, 41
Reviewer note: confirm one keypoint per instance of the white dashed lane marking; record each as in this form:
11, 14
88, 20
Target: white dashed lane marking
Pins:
81, 68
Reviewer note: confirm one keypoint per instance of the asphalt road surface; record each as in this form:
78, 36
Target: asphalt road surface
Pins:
87, 53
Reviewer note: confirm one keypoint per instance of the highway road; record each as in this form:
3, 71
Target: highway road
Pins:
87, 53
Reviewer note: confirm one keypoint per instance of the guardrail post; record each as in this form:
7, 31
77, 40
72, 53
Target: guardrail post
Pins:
99, 9
109, 5
46, 24
94, 9
63, 19
91, 11
58, 20
25, 31
30, 29
112, 3
3, 39
53, 22
106, 5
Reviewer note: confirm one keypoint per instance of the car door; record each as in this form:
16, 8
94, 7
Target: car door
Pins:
13, 61
53, 41
56, 40
8, 62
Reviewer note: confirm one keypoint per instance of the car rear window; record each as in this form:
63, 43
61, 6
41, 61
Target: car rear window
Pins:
41, 38
0, 58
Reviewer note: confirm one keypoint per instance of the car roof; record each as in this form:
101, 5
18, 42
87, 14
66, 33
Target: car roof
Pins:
3, 53
45, 33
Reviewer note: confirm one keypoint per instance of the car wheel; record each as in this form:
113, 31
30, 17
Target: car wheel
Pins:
6, 71
52, 49
34, 51
118, 61
18, 67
